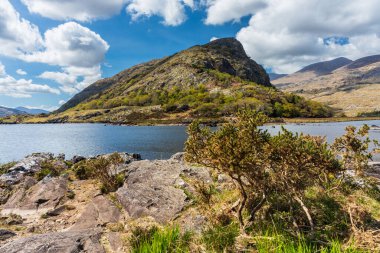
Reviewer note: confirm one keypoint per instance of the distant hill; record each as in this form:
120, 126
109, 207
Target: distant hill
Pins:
210, 82
4, 112
274, 76
326, 67
353, 86
31, 111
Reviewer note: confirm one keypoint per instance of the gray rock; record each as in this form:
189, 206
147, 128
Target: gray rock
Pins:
6, 234
98, 212
179, 157
77, 159
149, 190
26, 166
58, 242
155, 188
40, 197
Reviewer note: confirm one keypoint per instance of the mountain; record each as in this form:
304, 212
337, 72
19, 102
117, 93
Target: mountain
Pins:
274, 76
353, 87
326, 67
210, 81
31, 111
4, 112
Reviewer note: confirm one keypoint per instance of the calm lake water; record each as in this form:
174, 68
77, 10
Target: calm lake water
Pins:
152, 142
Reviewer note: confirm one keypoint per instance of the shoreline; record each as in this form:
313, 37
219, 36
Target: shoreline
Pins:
279, 121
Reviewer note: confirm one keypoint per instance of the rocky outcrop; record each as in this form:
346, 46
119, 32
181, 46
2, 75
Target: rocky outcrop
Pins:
60, 242
26, 166
156, 188
6, 234
35, 198
65, 214
97, 213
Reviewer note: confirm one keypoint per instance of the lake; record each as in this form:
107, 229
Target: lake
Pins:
152, 142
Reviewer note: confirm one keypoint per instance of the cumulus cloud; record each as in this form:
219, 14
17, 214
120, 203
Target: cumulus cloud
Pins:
172, 11
68, 45
221, 11
43, 107
75, 48
78, 50
73, 79
21, 88
287, 35
17, 35
75, 9
2, 70
21, 72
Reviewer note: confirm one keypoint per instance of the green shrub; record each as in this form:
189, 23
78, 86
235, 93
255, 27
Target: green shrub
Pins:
105, 170
5, 167
48, 168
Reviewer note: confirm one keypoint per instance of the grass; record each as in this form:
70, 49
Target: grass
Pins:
219, 238
157, 240
281, 244
5, 167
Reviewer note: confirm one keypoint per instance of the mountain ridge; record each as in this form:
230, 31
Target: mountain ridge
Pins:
352, 88
210, 82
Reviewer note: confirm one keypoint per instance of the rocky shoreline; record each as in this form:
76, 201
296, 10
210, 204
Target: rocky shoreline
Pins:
65, 214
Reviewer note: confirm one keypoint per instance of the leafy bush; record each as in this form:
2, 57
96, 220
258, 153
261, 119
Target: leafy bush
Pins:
105, 170
49, 168
262, 165
353, 148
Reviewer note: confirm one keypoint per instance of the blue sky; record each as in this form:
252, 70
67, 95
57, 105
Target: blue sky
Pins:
52, 49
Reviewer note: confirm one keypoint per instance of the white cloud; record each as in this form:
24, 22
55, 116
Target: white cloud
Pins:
2, 70
221, 11
74, 79
172, 11
81, 10
21, 88
17, 35
70, 44
61, 102
287, 35
213, 38
12, 87
21, 72
76, 49
43, 107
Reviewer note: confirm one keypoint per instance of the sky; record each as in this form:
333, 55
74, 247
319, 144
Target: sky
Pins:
52, 49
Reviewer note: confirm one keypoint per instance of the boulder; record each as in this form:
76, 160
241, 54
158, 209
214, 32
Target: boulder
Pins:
43, 196
29, 165
156, 188
6, 234
58, 242
98, 212
77, 159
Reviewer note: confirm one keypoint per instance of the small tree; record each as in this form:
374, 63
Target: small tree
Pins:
299, 161
353, 149
238, 149
260, 164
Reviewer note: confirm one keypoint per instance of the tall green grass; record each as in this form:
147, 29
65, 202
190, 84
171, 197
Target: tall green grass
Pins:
281, 244
162, 241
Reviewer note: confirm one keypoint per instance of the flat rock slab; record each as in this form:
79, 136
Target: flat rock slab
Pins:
98, 212
58, 242
155, 188
42, 196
